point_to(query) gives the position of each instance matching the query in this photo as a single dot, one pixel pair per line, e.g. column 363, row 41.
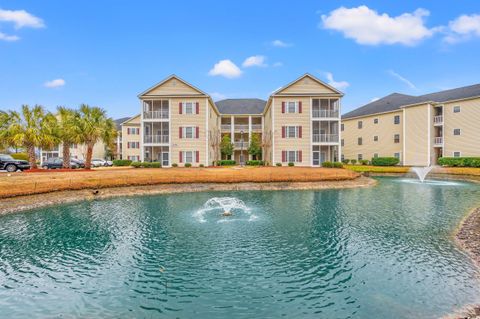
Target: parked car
column 10, row 164
column 79, row 162
column 57, row 162
column 97, row 162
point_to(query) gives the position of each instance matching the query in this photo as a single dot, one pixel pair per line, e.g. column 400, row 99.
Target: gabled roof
column 307, row 75
column 128, row 119
column 173, row 76
column 396, row 101
column 241, row 106
column 118, row 122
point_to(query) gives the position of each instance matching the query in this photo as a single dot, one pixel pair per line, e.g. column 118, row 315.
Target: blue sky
column 106, row 52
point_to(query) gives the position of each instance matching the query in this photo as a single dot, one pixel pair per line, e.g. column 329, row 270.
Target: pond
column 380, row 252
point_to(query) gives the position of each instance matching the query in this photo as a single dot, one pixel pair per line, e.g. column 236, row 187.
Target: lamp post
column 241, row 148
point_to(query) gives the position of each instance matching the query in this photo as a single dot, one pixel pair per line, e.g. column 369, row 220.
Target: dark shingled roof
column 241, row 106
column 395, row 101
column 120, row 121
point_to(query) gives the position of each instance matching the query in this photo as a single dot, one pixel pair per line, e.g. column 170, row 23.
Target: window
column 291, row 131
column 375, row 138
column 343, row 142
column 133, row 144
column 396, row 155
column 291, row 156
column 360, row 141
column 133, row 158
column 396, row 119
column 189, row 107
column 291, row 107
column 396, row 138
column 133, row 131
column 456, row 109
column 360, row 157
column 343, row 157
column 189, row 131
column 456, row 131
column 375, row 155
column 457, row 154
column 342, row 127
column 375, row 121
column 188, row 156
column 360, row 124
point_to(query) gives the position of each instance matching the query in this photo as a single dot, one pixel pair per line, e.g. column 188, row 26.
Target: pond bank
column 27, row 202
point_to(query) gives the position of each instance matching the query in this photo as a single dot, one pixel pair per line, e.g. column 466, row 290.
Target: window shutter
column 197, row 108
column 128, row 130
column 283, row 107
column 284, row 155
column 180, row 109
column 128, row 144
column 197, row 156
column 197, row 131
column 299, row 156
column 180, row 131
column 283, row 131
column 180, row 157
column 299, row 132
column 299, row 106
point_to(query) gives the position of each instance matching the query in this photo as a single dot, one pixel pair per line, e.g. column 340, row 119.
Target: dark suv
column 10, row 164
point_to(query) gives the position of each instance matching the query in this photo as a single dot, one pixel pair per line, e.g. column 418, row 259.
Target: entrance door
column 316, row 158
column 165, row 156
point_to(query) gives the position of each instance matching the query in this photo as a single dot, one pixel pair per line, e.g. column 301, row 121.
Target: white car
column 97, row 162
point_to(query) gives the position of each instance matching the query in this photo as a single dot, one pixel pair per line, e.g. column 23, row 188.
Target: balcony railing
column 238, row 145
column 438, row 141
column 151, row 115
column 325, row 138
column 226, row 127
column 325, row 113
column 256, row 127
column 241, row 127
column 438, row 120
column 156, row 139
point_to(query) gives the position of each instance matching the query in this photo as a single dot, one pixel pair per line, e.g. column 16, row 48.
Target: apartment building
column 131, row 137
column 298, row 123
column 78, row 151
column 415, row 129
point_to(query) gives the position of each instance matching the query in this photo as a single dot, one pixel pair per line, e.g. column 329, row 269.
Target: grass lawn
column 378, row 169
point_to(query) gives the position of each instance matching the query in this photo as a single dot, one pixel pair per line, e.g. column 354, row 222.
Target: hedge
column 255, row 163
column 20, row 156
column 226, row 162
column 460, row 161
column 385, row 161
column 353, row 161
column 338, row 164
column 345, row 161
column 188, row 165
column 146, row 164
column 291, row 164
column 278, row 164
column 363, row 162
column 122, row 162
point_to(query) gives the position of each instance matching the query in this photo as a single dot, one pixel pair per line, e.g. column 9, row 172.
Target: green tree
column 68, row 128
column 226, row 146
column 255, row 147
column 94, row 126
column 31, row 128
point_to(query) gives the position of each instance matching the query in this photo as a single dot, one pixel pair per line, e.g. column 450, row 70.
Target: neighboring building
column 181, row 124
column 130, row 132
column 117, row 152
column 78, row 151
column 416, row 129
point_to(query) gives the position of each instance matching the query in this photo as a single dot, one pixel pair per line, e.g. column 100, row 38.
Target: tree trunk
column 31, row 157
column 66, row 155
column 88, row 161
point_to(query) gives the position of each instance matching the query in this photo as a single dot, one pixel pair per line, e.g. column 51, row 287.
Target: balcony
column 325, row 138
column 226, row 127
column 438, row 120
column 238, row 145
column 256, row 127
column 438, row 141
column 316, row 113
column 241, row 127
column 156, row 139
column 155, row 115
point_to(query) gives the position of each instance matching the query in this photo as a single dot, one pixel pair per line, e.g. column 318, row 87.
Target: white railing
column 256, row 127
column 438, row 141
column 226, row 127
column 438, row 119
column 156, row 139
column 241, row 127
column 155, row 115
column 325, row 138
column 238, row 145
column 325, row 113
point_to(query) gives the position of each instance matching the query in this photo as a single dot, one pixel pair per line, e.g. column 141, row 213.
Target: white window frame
column 457, row 107
column 193, row 128
column 288, row 130
column 287, row 107
column 459, row 132
column 459, row 154
column 394, row 135
column 360, row 157
column 289, row 156
column 185, row 158
column 399, row 155
column 189, row 107
column 375, row 138
column 375, row 155
column 394, row 118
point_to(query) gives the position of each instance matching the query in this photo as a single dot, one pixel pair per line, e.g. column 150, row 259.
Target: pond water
column 381, row 252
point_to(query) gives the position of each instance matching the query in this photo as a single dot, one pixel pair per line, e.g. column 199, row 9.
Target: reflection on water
column 382, row 252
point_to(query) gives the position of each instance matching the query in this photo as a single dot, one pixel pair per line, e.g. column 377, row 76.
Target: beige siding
column 416, row 135
column 306, row 85
column 214, row 135
column 80, row 151
column 385, row 130
column 173, row 87
column 132, row 123
column 267, row 136
column 468, row 121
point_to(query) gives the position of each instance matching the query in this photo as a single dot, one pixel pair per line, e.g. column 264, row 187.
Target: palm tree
column 94, row 126
column 31, row 128
column 67, row 132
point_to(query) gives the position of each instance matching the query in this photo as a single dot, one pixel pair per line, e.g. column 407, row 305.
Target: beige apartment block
column 131, row 137
column 78, row 151
column 416, row 129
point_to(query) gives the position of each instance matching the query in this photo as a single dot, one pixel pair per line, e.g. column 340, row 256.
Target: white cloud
column 21, row 19
column 218, row 96
column 256, row 60
column 401, row 78
column 463, row 28
column 54, row 83
column 281, row 44
column 368, row 27
column 6, row 37
column 341, row 85
column 278, row 64
column 225, row 68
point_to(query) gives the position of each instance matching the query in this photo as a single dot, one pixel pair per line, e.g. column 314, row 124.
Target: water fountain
column 422, row 172
column 225, row 207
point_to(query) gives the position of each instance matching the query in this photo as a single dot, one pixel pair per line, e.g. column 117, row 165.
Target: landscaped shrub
column 226, row 162
column 345, row 161
column 353, row 161
column 146, row 164
column 338, row 164
column 278, row 164
column 174, row 165
column 385, row 161
column 136, row 164
column 363, row 162
column 327, row 164
column 188, row 165
column 20, row 156
column 459, row 161
column 155, row 165
column 201, row 165
column 255, row 163
column 291, row 164
column 122, row 162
